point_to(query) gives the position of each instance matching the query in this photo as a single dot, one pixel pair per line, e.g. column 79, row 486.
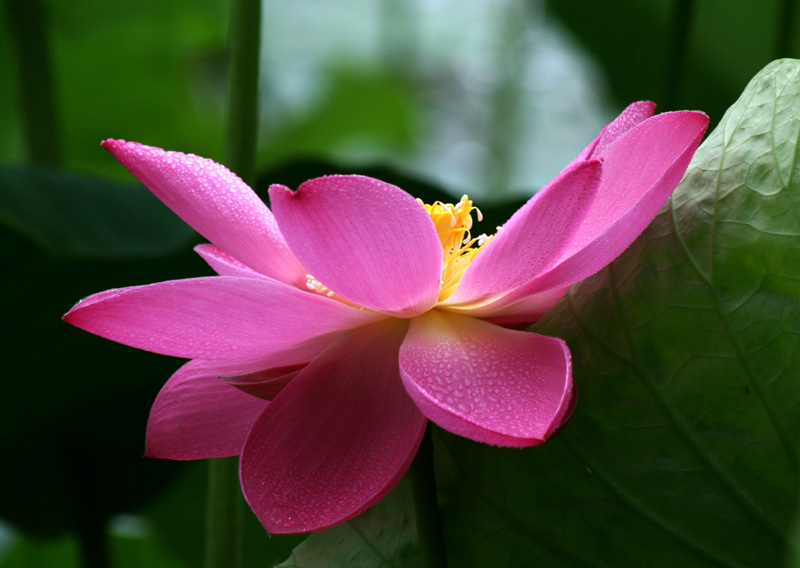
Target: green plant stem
column 242, row 112
column 680, row 33
column 426, row 506
column 785, row 27
column 27, row 26
column 223, row 514
column 398, row 36
column 80, row 469
column 224, row 504
column 504, row 128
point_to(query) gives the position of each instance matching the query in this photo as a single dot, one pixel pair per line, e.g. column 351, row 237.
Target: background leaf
column 79, row 405
column 50, row 208
column 683, row 447
column 685, row 53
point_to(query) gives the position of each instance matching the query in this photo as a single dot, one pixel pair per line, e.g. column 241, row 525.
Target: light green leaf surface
column 382, row 537
column 686, row 353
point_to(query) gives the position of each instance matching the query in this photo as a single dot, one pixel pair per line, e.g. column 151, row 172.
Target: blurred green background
column 487, row 97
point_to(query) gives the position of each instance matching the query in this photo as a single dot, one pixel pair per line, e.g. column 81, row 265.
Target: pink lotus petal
column 641, row 168
column 224, row 264
column 484, row 382
column 527, row 310
column 366, row 240
column 634, row 114
column 265, row 383
column 533, row 238
column 337, row 439
column 219, row 317
column 198, row 416
column 214, row 201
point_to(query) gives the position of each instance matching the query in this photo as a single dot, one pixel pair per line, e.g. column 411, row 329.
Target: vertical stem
column 426, row 506
column 224, row 506
column 223, row 514
column 93, row 541
column 91, row 515
column 681, row 26
column 504, row 122
column 242, row 115
column 399, row 36
column 27, row 26
column 786, row 16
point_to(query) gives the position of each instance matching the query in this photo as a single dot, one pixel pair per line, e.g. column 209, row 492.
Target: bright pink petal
column 485, row 382
column 337, row 439
column 265, row 383
column 533, row 238
column 526, row 311
column 214, row 201
column 640, row 171
column 217, row 318
column 224, row 264
column 366, row 240
column 634, row 114
column 198, row 416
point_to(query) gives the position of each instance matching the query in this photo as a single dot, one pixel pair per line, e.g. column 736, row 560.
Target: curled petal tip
column 111, row 142
column 116, row 145
column 216, row 203
column 277, row 188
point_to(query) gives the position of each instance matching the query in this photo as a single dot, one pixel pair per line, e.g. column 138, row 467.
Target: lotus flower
column 349, row 315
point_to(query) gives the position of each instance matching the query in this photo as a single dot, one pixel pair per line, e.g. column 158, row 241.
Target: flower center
column 453, row 224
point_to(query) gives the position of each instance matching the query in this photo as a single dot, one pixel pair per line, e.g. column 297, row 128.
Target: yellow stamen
column 453, row 224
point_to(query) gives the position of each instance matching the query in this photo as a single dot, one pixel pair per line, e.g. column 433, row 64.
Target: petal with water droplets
column 215, row 318
column 336, row 439
column 198, row 416
column 534, row 237
column 485, row 382
column 641, row 168
column 366, row 240
column 216, row 203
column 634, row 114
